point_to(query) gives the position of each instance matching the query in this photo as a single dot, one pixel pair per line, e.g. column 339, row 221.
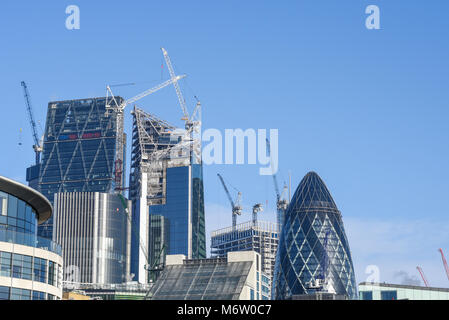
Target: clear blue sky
column 366, row 109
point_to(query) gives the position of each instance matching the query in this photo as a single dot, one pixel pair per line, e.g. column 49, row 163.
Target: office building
column 83, row 151
column 94, row 230
column 30, row 266
column 122, row 291
column 238, row 276
column 385, row 291
column 165, row 181
column 261, row 237
column 313, row 254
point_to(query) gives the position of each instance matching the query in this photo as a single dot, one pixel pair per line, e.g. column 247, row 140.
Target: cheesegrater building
column 313, row 256
column 80, row 152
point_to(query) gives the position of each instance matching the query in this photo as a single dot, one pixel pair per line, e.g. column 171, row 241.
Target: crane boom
column 37, row 146
column 424, row 279
column 182, row 102
column 226, row 190
column 236, row 207
column 446, row 268
column 118, row 108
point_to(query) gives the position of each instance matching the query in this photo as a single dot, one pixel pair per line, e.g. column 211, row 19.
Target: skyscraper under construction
column 80, row 151
column 166, row 188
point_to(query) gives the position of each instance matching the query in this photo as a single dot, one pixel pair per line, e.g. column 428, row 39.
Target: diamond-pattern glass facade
column 313, row 245
column 79, row 150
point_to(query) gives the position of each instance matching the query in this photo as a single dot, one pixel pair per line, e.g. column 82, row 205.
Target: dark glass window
column 366, row 295
column 389, row 295
column 52, row 273
column 37, row 295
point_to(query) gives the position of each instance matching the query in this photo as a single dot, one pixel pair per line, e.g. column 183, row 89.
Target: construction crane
column 113, row 105
column 37, row 147
column 424, row 279
column 189, row 120
column 281, row 201
column 256, row 209
column 236, row 206
column 446, row 268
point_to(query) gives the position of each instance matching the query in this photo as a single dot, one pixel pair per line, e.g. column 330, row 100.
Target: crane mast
column 37, row 145
column 281, row 202
column 236, row 207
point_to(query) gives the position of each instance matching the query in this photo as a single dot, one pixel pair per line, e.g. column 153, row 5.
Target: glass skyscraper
column 79, row 152
column 313, row 254
column 164, row 182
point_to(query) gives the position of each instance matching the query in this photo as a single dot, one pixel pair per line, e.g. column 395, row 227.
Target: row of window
column 16, row 213
column 29, row 268
column 384, row 295
column 7, row 293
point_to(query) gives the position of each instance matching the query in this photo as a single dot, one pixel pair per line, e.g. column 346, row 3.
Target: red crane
column 426, row 283
column 444, row 262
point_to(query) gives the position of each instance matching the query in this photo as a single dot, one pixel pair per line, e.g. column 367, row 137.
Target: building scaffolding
column 261, row 237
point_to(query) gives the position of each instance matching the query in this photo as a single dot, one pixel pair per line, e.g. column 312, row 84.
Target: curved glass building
column 313, row 254
column 30, row 266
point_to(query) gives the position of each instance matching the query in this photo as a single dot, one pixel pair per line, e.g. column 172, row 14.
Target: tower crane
column 281, row 201
column 37, row 144
column 424, row 279
column 446, row 268
column 113, row 105
column 256, row 209
column 236, row 206
column 192, row 122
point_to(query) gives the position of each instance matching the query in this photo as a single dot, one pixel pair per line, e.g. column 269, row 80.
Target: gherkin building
column 313, row 253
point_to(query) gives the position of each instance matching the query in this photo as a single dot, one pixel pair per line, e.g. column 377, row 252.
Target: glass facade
column 16, row 215
column 208, row 279
column 8, row 293
column 25, row 267
column 79, row 150
column 313, row 253
column 176, row 210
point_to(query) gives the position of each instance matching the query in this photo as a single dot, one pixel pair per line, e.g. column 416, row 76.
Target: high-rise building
column 313, row 254
column 30, row 266
column 80, row 151
column 94, row 230
column 261, row 237
column 237, row 276
column 165, row 180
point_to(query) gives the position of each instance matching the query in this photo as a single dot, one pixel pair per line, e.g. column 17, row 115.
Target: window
column 40, row 270
column 389, row 295
column 251, row 293
column 51, row 273
column 20, row 294
column 4, row 293
column 366, row 295
column 22, row 266
column 5, row 264
column 37, row 295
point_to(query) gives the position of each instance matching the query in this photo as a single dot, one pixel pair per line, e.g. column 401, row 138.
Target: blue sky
column 366, row 109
